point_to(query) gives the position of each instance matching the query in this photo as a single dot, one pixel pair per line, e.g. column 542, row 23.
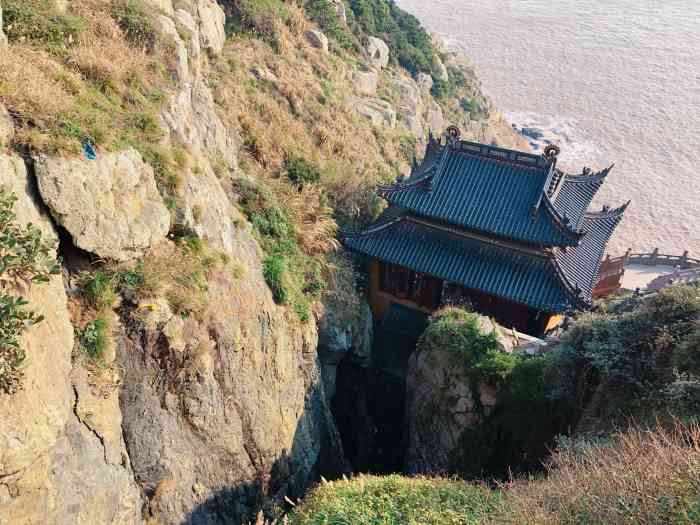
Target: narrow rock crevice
column 86, row 425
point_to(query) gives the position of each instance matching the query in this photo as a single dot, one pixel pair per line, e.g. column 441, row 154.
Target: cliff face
column 442, row 402
column 63, row 456
column 218, row 413
column 207, row 401
column 199, row 421
column 476, row 404
column 203, row 419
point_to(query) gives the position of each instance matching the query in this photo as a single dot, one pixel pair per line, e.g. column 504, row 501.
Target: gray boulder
column 440, row 70
column 438, row 43
column 211, row 26
column 206, row 210
column 7, row 127
column 379, row 112
column 409, row 96
column 378, row 52
column 110, row 206
column 424, row 81
column 166, row 6
column 341, row 11
column 194, row 45
column 317, row 39
column 63, row 455
column 3, row 36
column 343, row 333
column 366, row 81
column 192, row 119
column 435, row 118
column 262, row 73
column 440, row 406
column 167, row 27
column 241, row 414
column 414, row 124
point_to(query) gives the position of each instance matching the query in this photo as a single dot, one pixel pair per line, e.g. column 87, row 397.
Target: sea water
column 611, row 81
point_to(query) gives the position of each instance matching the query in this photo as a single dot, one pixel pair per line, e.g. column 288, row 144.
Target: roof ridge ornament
column 453, row 134
column 551, row 152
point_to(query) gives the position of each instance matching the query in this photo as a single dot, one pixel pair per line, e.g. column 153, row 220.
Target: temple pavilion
column 505, row 232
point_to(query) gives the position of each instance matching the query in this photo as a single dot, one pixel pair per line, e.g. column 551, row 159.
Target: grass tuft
column 94, row 339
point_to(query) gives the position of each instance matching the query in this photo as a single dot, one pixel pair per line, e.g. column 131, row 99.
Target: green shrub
column 189, row 240
column 38, row 21
column 103, row 287
column 410, row 45
column 257, row 18
column 466, row 105
column 136, row 20
column 324, row 14
column 687, row 356
column 14, row 319
column 293, row 277
column 94, row 338
column 396, row 500
column 443, row 90
column 458, row 332
column 631, row 347
column 274, row 270
column 25, row 258
column 300, row 171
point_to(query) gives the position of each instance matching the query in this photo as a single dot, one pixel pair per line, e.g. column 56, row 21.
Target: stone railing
column 655, row 258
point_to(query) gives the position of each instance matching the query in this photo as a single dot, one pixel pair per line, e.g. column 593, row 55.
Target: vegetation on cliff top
column 635, row 360
column 409, row 43
column 97, row 72
column 638, row 476
column 513, row 435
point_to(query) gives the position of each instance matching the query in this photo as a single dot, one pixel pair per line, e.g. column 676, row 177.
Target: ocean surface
column 611, row 81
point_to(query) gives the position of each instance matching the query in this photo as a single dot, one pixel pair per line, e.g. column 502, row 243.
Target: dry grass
column 178, row 273
column 288, row 101
column 316, row 229
column 302, row 113
column 95, row 86
column 643, row 477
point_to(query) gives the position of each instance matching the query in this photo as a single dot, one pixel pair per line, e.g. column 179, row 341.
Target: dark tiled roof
column 520, row 276
column 488, row 189
column 574, row 193
column 581, row 265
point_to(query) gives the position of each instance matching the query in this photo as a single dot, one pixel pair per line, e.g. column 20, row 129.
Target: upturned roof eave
column 573, row 289
column 589, row 178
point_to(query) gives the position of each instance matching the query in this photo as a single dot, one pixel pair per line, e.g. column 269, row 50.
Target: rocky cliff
column 198, row 421
column 472, row 400
column 171, row 379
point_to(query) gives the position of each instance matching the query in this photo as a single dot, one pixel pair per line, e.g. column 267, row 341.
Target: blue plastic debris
column 89, row 150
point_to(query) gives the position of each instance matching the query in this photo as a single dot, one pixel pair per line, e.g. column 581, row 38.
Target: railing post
column 654, row 256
